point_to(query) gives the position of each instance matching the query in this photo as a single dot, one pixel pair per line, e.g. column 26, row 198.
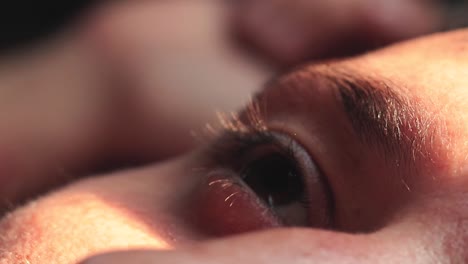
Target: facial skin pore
column 387, row 129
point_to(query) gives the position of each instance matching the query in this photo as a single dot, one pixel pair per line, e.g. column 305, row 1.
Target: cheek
column 63, row 228
column 98, row 215
column 144, row 209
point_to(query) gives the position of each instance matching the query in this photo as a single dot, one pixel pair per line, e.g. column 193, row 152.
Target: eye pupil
column 274, row 179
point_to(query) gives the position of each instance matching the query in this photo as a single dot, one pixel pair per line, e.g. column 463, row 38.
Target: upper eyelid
column 380, row 117
column 239, row 142
column 225, row 154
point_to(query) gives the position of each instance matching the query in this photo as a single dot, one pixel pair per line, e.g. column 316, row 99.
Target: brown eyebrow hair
column 383, row 118
column 400, row 128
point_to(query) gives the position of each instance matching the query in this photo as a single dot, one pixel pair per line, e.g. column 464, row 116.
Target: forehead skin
column 430, row 70
column 435, row 71
column 432, row 73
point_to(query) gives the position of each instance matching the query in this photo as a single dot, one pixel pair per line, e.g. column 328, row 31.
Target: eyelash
column 258, row 139
column 237, row 148
column 237, row 136
column 233, row 144
column 237, row 151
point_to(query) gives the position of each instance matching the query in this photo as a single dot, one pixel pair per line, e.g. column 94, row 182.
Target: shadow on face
column 363, row 153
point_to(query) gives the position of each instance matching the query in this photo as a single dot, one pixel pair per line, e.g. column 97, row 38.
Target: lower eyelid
column 318, row 184
column 309, row 150
column 315, row 182
column 225, row 207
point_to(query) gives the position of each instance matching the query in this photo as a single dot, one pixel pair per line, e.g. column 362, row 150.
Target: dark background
column 24, row 22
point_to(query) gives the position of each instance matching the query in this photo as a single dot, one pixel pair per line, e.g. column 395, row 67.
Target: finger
column 292, row 31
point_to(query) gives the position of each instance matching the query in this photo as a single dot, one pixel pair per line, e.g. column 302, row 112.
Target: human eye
column 260, row 178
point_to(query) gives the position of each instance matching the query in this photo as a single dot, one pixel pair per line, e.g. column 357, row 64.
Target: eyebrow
column 380, row 117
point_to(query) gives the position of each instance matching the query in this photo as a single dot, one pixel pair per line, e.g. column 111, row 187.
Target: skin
column 293, row 31
column 102, row 75
column 386, row 213
column 424, row 222
column 88, row 100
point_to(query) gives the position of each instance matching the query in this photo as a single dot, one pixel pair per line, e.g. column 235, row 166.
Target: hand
column 114, row 91
column 292, row 31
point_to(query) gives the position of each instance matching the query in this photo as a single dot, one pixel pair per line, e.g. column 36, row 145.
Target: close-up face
column 365, row 157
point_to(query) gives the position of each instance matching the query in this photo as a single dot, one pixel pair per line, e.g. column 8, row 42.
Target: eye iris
column 275, row 180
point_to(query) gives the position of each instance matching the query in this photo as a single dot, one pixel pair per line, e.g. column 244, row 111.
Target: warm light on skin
column 90, row 213
column 148, row 207
column 441, row 92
